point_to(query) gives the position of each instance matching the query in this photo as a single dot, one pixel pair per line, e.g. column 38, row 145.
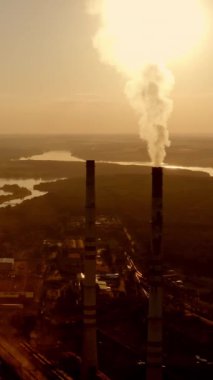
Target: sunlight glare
column 137, row 32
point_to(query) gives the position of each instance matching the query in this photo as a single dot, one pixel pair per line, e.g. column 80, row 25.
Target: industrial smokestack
column 90, row 363
column 154, row 343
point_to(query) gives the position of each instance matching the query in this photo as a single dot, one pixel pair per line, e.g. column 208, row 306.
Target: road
column 27, row 362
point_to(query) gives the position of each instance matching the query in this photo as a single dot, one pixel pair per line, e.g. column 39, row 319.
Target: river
column 63, row 155
column 28, row 184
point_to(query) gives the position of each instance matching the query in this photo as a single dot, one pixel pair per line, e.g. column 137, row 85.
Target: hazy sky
column 51, row 79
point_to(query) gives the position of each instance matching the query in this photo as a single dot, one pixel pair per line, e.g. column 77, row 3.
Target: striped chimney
column 90, row 362
column 154, row 343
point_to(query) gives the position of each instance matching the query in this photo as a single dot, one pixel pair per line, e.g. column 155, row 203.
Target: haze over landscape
column 52, row 81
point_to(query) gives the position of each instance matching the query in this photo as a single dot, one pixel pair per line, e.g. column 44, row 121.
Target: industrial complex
column 85, row 308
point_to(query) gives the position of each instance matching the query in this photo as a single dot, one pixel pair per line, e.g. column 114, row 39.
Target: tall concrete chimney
column 90, row 362
column 154, row 340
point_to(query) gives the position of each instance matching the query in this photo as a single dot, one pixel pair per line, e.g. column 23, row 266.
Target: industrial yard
column 42, row 304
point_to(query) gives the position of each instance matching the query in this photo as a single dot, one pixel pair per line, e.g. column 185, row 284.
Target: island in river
column 14, row 191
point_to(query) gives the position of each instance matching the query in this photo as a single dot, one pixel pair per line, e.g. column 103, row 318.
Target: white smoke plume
column 138, row 37
column 149, row 96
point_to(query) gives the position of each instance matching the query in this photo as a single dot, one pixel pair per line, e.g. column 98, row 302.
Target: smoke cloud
column 138, row 37
column 149, row 96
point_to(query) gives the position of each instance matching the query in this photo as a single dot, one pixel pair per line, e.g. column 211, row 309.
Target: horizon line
column 98, row 134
